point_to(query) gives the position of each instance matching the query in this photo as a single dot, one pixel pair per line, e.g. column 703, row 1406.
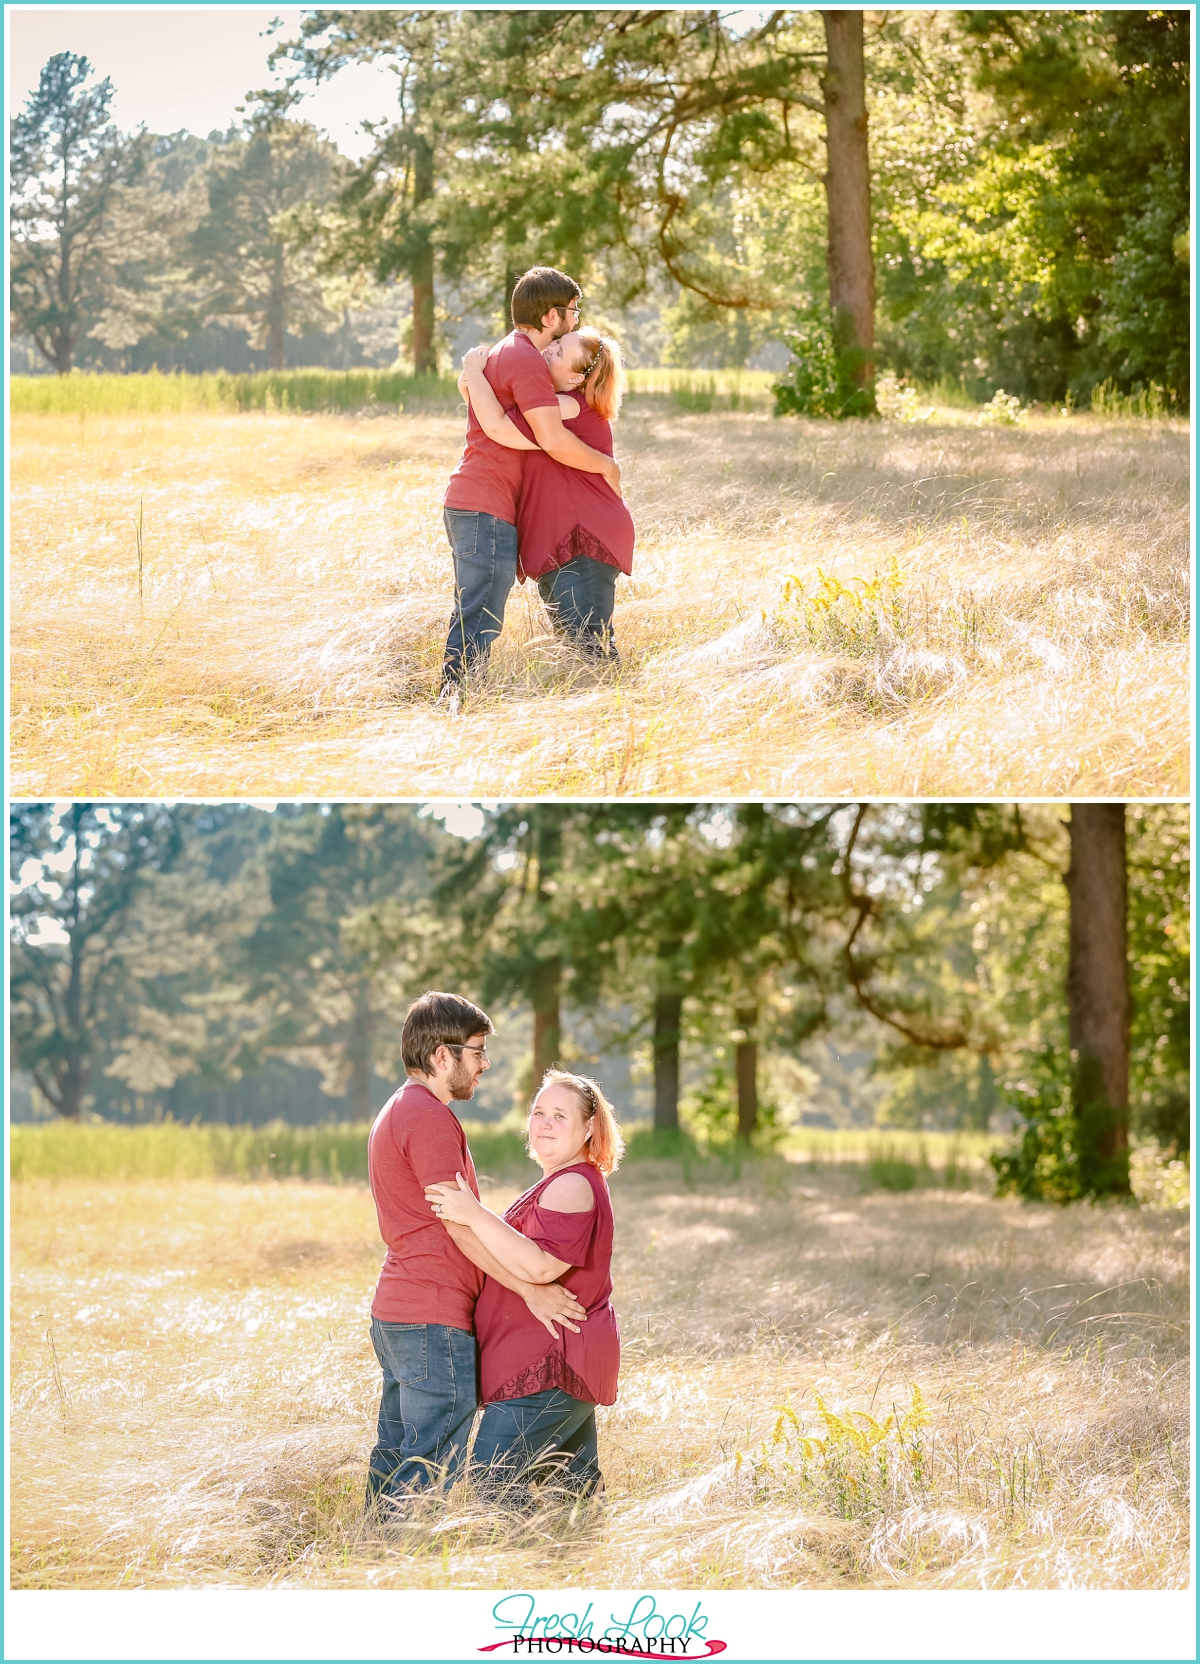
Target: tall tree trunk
column 848, row 193
column 547, row 980
column 359, row 1053
column 72, row 1073
column 64, row 1089
column 668, row 1014
column 424, row 352
column 276, row 352
column 987, row 1098
column 747, row 1071
column 547, row 1029
column 73, row 1079
column 1098, row 1000
column 62, row 337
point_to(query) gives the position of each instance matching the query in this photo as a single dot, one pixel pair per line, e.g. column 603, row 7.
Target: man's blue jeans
column 579, row 597
column 427, row 1407
column 485, row 569
column 542, row 1435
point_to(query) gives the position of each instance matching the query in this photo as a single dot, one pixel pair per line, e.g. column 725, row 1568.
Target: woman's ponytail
column 604, row 383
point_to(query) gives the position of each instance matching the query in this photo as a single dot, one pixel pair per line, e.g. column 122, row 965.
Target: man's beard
column 462, row 1084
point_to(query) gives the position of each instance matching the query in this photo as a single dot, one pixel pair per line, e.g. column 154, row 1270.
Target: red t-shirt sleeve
column 568, row 1236
column 529, row 384
column 435, row 1152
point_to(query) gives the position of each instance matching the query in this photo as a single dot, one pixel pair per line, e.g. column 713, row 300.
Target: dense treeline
column 1027, row 226
column 208, row 946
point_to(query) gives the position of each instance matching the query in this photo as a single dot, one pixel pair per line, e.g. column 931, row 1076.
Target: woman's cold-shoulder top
column 516, row 1353
column 563, row 512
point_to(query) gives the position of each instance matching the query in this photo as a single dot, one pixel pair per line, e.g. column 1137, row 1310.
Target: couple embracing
column 536, row 492
column 467, row 1303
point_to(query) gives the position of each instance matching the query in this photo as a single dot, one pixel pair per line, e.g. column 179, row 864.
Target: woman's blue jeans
column 579, row 597
column 427, row 1407
column 545, row 1435
column 485, row 569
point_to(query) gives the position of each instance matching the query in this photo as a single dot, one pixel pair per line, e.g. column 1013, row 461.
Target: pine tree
column 69, row 165
column 77, row 981
column 249, row 253
column 315, row 988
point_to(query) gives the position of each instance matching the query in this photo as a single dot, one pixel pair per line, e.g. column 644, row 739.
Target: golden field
column 194, row 1392
column 283, row 634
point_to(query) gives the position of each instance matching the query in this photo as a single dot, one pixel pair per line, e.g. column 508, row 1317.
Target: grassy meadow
column 898, row 1158
column 826, row 1383
column 248, row 597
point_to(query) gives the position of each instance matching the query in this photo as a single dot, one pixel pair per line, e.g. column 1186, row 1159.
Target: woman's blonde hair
column 606, row 1146
column 604, row 382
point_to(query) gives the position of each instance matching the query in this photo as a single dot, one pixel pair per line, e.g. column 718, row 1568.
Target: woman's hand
column 476, row 358
column 454, row 1204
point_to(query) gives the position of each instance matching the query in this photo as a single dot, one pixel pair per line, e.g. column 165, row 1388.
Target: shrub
column 820, row 380
column 1068, row 1121
column 1044, row 1165
column 898, row 402
column 861, row 1466
column 1168, row 1120
column 711, row 1116
column 1003, row 410
column 1151, row 401
column 842, row 617
column 894, row 1175
column 659, row 1144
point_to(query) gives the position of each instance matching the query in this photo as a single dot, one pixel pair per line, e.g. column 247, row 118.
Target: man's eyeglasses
column 451, row 1046
column 576, row 307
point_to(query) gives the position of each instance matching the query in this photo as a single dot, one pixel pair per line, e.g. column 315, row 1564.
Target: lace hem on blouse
column 580, row 541
column 552, row 1370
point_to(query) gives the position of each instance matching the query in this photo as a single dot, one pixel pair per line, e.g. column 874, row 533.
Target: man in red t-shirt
column 481, row 499
column 423, row 1314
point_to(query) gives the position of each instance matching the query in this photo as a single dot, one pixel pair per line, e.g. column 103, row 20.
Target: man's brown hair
column 539, row 291
column 439, row 1020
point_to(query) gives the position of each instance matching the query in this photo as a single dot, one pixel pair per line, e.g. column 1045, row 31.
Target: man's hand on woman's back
column 551, row 1303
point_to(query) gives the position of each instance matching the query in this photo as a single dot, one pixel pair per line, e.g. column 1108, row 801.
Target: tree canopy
column 193, row 950
column 1022, row 219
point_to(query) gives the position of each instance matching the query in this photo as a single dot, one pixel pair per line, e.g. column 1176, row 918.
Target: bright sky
column 188, row 66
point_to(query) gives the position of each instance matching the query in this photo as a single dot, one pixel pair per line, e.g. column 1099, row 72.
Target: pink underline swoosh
column 612, row 1650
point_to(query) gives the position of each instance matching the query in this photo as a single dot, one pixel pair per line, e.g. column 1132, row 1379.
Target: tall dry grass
column 193, row 1394
column 1030, row 637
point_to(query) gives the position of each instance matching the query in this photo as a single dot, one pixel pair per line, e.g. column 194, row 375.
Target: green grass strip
column 156, row 394
column 390, row 391
column 91, row 1150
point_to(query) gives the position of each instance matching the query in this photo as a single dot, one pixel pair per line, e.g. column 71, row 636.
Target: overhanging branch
column 857, row 974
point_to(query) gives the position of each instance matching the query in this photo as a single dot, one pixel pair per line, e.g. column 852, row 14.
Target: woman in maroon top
column 574, row 533
column 540, row 1388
